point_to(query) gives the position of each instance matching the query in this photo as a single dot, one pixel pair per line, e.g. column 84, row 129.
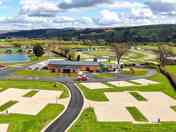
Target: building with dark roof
column 65, row 66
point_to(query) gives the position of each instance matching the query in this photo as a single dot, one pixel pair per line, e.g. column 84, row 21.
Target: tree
column 72, row 55
column 162, row 56
column 38, row 50
column 19, row 51
column 78, row 58
column 8, row 51
column 164, row 52
column 120, row 50
column 66, row 52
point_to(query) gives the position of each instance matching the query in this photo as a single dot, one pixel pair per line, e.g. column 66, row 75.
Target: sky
column 40, row 14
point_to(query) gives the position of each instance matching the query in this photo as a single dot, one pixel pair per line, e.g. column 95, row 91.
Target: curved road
column 151, row 72
column 76, row 102
column 72, row 111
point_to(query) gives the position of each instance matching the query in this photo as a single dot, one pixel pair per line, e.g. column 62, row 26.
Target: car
column 82, row 78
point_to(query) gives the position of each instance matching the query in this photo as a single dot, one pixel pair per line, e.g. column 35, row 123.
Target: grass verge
column 137, row 96
column 104, row 75
column 31, row 84
column 27, row 123
column 7, row 105
column 163, row 86
column 95, row 95
column 88, row 123
column 136, row 114
column 31, row 93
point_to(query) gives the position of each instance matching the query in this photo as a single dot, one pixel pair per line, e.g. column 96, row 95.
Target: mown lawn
column 104, row 75
column 31, row 84
column 137, row 115
column 88, row 123
column 171, row 68
column 31, row 93
column 137, row 96
column 28, row 123
column 126, row 71
column 7, row 105
column 163, row 86
column 135, row 71
column 43, row 73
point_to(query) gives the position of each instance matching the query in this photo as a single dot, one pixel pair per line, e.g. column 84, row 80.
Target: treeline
column 153, row 33
column 70, row 54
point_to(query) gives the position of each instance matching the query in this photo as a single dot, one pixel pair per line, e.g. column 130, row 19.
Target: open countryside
column 87, row 66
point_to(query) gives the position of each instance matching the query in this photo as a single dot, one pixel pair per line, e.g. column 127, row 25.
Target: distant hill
column 151, row 33
column 6, row 31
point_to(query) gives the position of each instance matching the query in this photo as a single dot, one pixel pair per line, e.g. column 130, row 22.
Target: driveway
column 72, row 111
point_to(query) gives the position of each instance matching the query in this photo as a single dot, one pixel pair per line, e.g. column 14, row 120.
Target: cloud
column 45, row 8
column 164, row 7
column 142, row 13
column 35, row 14
column 27, row 22
column 69, row 4
column 2, row 2
column 63, row 19
column 125, row 5
column 107, row 18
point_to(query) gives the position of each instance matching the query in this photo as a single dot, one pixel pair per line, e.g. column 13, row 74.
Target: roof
column 73, row 63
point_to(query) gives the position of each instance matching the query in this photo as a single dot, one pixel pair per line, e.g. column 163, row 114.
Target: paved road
column 5, row 73
column 72, row 111
column 121, row 77
column 76, row 102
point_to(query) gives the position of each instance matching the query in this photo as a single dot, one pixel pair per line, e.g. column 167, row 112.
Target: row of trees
column 120, row 49
column 70, row 54
column 163, row 52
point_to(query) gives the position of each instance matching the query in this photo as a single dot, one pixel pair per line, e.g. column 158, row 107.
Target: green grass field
column 136, row 114
column 163, row 86
column 7, row 105
column 43, row 73
column 30, row 84
column 31, row 93
column 104, row 75
column 171, row 68
column 135, row 71
column 88, row 123
column 137, row 96
column 27, row 123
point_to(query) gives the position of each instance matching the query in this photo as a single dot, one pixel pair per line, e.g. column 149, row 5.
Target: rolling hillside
column 153, row 33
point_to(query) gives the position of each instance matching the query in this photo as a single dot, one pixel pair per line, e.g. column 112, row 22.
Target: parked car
column 82, row 78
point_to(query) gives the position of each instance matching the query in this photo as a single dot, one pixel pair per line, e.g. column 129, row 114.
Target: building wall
column 55, row 68
column 51, row 67
column 89, row 68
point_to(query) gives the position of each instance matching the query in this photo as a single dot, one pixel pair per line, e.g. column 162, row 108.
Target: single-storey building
column 65, row 66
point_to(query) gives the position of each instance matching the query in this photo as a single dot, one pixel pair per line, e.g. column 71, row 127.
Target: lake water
column 13, row 58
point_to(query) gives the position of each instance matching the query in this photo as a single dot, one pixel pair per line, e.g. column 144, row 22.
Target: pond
column 13, row 58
